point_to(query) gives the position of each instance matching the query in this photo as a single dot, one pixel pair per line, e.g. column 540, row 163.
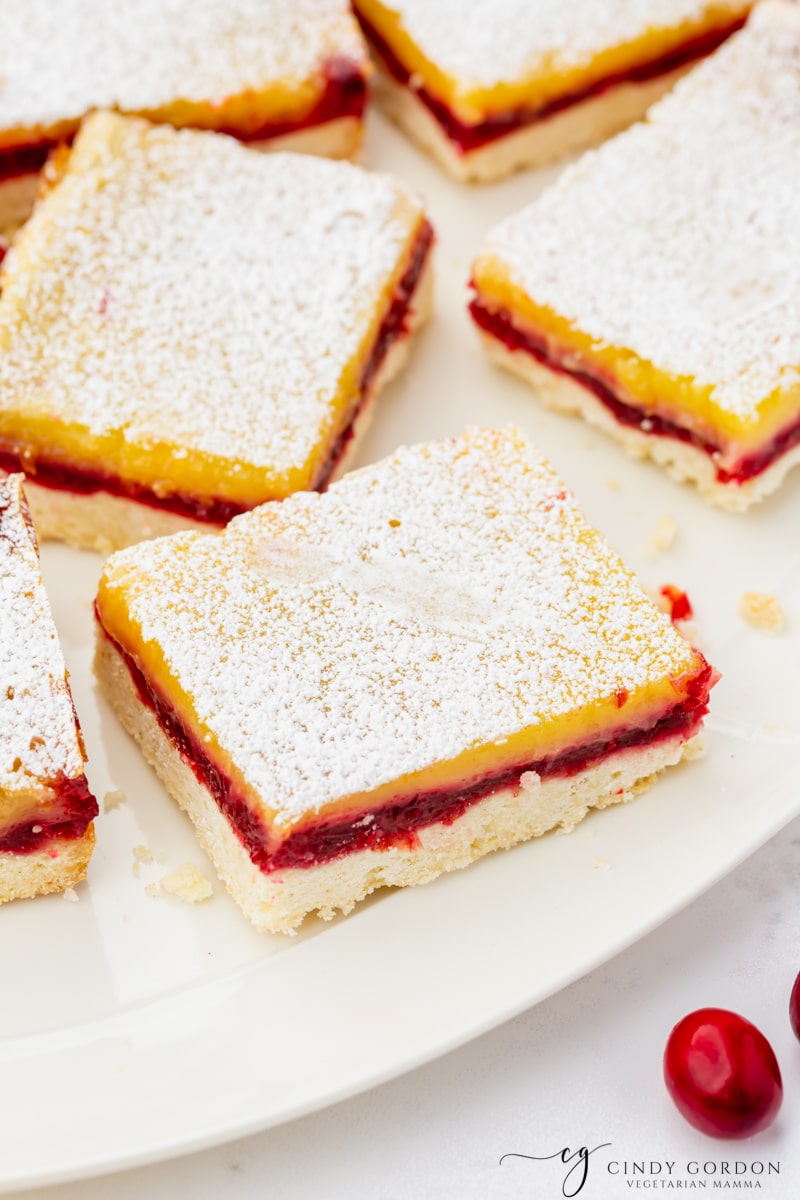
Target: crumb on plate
column 663, row 536
column 141, row 854
column 762, row 610
column 113, row 799
column 187, row 883
column 694, row 749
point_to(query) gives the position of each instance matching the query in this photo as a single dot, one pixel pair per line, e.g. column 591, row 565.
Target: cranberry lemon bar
column 655, row 288
column 490, row 86
column 437, row 658
column 188, row 328
column 290, row 72
column 46, row 808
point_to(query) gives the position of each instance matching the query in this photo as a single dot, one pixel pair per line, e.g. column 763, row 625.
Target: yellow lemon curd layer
column 554, row 74
column 41, row 748
column 635, row 380
column 281, row 102
column 436, row 620
column 240, row 65
column 191, row 317
column 37, row 803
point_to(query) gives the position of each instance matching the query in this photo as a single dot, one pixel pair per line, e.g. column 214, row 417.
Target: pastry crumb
column 529, row 781
column 141, row 854
column 613, row 485
column 153, row 890
column 694, row 750
column 187, row 883
column 113, row 799
column 663, row 536
column 601, row 864
column 70, row 895
column 762, row 610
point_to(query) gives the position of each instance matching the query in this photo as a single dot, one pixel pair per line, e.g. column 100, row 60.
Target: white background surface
column 583, row 1067
column 579, row 1069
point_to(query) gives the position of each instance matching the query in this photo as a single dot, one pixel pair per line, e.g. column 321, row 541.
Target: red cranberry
column 680, row 606
column 794, row 1007
column 722, row 1074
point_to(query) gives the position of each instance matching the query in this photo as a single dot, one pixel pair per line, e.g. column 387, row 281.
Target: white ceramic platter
column 134, row 1028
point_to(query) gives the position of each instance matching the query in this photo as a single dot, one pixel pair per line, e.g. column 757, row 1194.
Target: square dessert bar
column 291, row 73
column 46, row 808
column 654, row 289
column 188, row 328
column 437, row 658
column 491, row 86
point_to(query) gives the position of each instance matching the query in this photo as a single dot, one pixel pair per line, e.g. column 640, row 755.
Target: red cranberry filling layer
column 393, row 327
column 397, row 823
column 471, row 137
column 73, row 807
column 680, row 606
column 499, row 324
column 87, row 481
column 344, row 95
column 68, row 817
column 24, row 160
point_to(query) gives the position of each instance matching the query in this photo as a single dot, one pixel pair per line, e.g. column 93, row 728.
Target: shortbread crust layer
column 666, row 313
column 507, row 343
column 105, row 522
column 681, row 460
column 46, row 806
column 534, row 145
column 59, row 864
column 343, row 100
column 336, row 677
column 406, row 311
column 256, row 69
column 467, row 138
column 190, row 380
column 400, row 823
column 278, row 901
column 480, row 131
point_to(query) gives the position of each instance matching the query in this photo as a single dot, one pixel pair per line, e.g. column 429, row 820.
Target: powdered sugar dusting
column 38, row 739
column 177, row 293
column 59, row 61
column 482, row 43
column 680, row 239
column 445, row 598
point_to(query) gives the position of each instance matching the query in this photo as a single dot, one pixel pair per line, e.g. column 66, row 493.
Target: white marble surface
column 581, row 1069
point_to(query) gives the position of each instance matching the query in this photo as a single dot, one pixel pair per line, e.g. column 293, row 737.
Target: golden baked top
column 203, row 62
column 39, row 742
column 425, row 620
column 194, row 316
